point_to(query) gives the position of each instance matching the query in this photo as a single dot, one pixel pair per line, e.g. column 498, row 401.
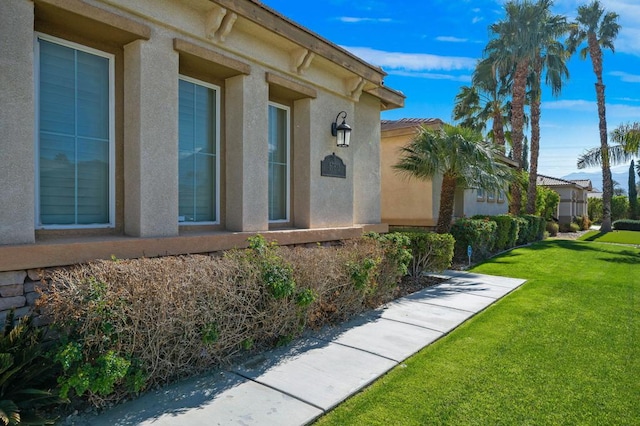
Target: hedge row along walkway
column 294, row 385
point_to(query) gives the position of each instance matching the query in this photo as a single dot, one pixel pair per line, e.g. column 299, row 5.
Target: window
column 74, row 130
column 491, row 196
column 278, row 163
column 501, row 196
column 198, row 152
column 480, row 194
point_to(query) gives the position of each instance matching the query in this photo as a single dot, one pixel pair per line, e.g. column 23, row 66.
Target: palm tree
column 514, row 49
column 627, row 146
column 462, row 158
column 598, row 29
column 552, row 57
column 486, row 99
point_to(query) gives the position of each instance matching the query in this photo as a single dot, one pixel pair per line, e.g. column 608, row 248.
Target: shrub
column 626, row 225
column 534, row 229
column 477, row 233
column 523, row 230
column 504, row 231
column 569, row 227
column 26, row 375
column 552, row 228
column 583, row 222
column 430, row 252
column 619, row 207
column 595, row 210
column 132, row 324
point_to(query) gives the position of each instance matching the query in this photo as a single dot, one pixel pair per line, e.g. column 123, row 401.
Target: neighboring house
column 412, row 202
column 594, row 193
column 573, row 196
column 154, row 127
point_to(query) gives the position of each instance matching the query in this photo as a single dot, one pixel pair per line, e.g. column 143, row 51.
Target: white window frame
column 112, row 180
column 480, row 194
column 217, row 90
column 288, row 168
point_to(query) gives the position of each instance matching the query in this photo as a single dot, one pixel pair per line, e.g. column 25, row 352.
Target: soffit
column 276, row 23
column 79, row 17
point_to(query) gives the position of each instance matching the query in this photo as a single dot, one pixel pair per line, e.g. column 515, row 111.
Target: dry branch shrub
column 176, row 316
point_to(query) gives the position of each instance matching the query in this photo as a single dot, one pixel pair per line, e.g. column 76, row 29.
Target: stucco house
column 156, row 127
column 413, row 202
column 573, row 196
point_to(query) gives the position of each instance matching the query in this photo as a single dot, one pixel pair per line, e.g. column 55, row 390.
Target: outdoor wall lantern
column 341, row 131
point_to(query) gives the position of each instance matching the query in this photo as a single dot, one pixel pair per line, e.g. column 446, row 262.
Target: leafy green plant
column 99, row 376
column 25, row 374
column 430, row 252
column 396, row 245
column 305, row 297
column 210, row 334
column 276, row 273
column 552, row 228
column 363, row 274
column 477, row 233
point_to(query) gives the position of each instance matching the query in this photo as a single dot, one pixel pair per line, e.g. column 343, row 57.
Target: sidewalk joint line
column 278, row 390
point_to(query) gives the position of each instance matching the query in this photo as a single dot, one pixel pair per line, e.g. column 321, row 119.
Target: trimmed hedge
column 431, row 252
column 506, row 231
column 626, row 225
column 477, row 233
column 491, row 234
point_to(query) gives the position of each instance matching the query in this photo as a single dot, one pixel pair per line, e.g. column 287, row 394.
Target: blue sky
column 429, row 49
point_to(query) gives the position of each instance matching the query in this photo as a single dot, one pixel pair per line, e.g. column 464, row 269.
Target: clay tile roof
column 552, row 181
column 408, row 122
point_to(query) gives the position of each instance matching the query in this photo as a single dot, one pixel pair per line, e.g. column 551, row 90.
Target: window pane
column 74, row 139
column 277, row 192
column 197, row 144
column 278, row 167
column 57, row 88
column 57, row 179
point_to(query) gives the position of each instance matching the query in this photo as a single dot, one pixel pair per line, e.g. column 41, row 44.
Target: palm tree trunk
column 498, row 129
column 607, row 191
column 517, row 130
column 447, row 196
column 535, row 142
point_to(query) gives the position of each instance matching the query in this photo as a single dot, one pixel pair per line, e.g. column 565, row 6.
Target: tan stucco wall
column 17, row 171
column 153, row 41
column 366, row 169
column 151, row 137
column 404, row 200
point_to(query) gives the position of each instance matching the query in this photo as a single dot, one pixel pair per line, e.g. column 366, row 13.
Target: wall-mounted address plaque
column 333, row 166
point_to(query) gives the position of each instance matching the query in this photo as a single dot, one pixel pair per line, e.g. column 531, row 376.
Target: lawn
column 620, row 237
column 562, row 349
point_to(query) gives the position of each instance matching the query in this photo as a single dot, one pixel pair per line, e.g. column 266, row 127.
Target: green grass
column 562, row 349
column 620, row 237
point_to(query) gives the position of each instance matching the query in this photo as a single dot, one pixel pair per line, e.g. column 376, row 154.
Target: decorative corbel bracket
column 219, row 23
column 301, row 60
column 354, row 87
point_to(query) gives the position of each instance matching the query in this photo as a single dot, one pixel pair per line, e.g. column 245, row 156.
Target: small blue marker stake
column 469, row 252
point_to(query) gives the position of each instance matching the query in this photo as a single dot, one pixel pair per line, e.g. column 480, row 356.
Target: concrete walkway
column 296, row 384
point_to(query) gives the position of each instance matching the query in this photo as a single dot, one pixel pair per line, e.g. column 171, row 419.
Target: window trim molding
column 217, row 91
column 287, row 109
column 112, row 156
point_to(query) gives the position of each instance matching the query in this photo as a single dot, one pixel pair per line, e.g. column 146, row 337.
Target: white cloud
column 573, row 105
column 412, row 61
column 433, row 76
column 355, row 20
column 451, row 39
column 615, row 112
column 626, row 77
column 477, row 19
